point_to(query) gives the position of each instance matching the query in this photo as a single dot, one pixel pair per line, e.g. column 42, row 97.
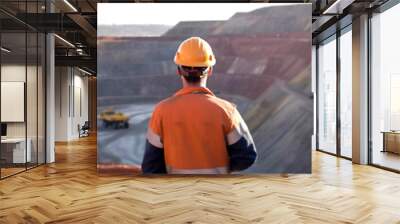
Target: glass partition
column 346, row 93
column 385, row 89
column 34, row 60
column 22, row 88
column 15, row 150
column 327, row 95
column 31, row 99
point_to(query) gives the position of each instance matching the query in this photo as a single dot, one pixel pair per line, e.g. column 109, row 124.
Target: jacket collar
column 192, row 89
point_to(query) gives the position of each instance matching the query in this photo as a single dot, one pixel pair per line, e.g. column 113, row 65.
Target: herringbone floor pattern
column 70, row 191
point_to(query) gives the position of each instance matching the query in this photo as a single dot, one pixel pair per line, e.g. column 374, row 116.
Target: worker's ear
column 210, row 70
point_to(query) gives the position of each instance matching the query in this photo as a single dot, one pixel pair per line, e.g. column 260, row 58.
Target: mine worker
column 193, row 131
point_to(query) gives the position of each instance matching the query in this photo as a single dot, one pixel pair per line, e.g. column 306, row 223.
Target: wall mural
column 263, row 66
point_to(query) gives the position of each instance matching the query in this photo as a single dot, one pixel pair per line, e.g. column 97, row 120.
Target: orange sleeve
column 155, row 123
column 233, row 119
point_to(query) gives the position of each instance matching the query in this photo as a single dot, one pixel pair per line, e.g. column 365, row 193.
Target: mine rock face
column 263, row 66
column 187, row 29
column 275, row 19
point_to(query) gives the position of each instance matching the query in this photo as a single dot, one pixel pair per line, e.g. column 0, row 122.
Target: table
column 16, row 147
column 391, row 141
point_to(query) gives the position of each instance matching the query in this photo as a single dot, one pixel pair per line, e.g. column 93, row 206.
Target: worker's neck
column 202, row 83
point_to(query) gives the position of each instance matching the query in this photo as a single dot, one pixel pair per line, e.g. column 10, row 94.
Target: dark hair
column 192, row 74
column 192, row 79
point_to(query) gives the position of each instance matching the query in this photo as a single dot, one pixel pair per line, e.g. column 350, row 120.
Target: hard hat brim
column 194, row 64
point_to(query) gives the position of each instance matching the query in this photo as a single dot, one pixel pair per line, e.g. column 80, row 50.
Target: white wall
column 13, row 73
column 33, row 126
column 71, row 94
column 62, row 82
column 80, row 110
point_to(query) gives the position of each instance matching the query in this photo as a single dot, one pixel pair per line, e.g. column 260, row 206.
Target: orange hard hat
column 194, row 52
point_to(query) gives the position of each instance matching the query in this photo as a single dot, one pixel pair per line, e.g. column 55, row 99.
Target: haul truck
column 113, row 119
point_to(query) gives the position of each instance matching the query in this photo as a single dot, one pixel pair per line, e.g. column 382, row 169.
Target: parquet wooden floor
column 70, row 191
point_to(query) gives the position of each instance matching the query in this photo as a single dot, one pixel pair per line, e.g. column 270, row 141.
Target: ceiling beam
column 337, row 7
column 81, row 61
column 86, row 26
column 49, row 22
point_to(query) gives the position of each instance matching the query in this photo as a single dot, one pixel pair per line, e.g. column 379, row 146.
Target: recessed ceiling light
column 64, row 40
column 70, row 5
column 5, row 50
column 338, row 6
column 84, row 71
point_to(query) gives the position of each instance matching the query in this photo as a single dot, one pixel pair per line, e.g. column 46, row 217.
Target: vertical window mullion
column 369, row 95
column 26, row 86
column 338, row 91
column 37, row 90
column 317, row 96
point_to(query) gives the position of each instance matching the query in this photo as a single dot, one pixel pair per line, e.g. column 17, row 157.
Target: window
column 346, row 92
column 385, row 89
column 327, row 95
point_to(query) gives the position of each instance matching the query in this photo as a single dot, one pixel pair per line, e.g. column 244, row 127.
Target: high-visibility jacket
column 195, row 132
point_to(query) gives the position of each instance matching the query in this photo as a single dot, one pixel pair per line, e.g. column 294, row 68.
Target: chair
column 84, row 130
